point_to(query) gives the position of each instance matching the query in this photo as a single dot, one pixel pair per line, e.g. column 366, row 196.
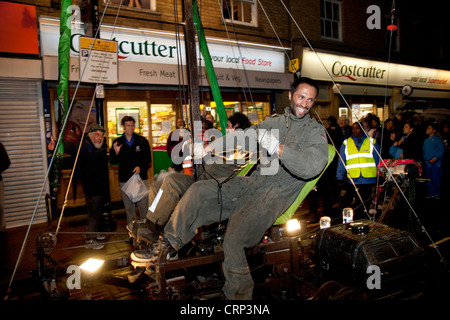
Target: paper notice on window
column 166, row 127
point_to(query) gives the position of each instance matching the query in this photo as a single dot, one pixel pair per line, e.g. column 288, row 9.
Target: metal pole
column 192, row 70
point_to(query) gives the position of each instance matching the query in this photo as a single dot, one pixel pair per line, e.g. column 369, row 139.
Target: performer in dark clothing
column 299, row 150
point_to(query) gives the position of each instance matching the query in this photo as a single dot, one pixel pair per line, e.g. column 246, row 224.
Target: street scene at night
column 232, row 157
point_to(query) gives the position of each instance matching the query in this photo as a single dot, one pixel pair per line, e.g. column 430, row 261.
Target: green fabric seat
column 303, row 193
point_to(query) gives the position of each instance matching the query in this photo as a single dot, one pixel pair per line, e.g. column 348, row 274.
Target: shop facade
column 152, row 80
column 370, row 86
column 22, row 117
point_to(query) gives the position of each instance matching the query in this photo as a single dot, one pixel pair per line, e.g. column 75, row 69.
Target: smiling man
column 297, row 143
column 302, row 99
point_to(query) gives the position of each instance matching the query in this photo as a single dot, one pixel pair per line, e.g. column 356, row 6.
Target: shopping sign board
column 345, row 69
column 152, row 46
column 98, row 61
column 153, row 57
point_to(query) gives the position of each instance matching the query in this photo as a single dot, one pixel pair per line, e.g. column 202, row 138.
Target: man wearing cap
column 94, row 176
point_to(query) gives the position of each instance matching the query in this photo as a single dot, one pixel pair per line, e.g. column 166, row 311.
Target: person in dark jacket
column 94, row 176
column 409, row 146
column 388, row 137
column 433, row 154
column 346, row 130
column 132, row 152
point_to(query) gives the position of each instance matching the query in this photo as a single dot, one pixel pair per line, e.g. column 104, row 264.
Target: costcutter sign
column 135, row 45
column 361, row 71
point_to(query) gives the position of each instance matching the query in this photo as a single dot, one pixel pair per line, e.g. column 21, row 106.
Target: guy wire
column 381, row 159
column 20, row 256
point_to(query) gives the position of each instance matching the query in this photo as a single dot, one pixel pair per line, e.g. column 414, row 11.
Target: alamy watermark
column 374, row 20
column 74, row 280
column 374, row 280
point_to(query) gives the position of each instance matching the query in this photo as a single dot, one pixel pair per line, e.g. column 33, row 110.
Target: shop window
column 239, row 11
column 330, row 18
column 382, row 112
column 255, row 113
column 360, row 111
column 116, row 110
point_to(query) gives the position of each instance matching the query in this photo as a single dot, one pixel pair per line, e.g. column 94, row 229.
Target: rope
column 182, row 93
column 19, row 258
column 386, row 87
column 219, row 2
column 219, row 190
column 87, row 116
column 343, row 162
column 346, row 103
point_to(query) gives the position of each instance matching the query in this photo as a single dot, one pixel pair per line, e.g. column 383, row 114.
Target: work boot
column 144, row 231
column 147, row 236
column 147, row 256
column 151, row 254
column 92, row 244
column 100, row 237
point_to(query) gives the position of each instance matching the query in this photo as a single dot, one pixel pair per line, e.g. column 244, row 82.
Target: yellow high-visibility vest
column 360, row 162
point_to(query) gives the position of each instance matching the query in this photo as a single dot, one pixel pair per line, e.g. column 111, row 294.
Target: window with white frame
column 330, row 18
column 240, row 11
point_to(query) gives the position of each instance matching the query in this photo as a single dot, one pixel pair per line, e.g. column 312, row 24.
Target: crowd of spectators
column 404, row 136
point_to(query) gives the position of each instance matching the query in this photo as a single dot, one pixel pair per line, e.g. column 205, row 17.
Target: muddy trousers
column 200, row 206
column 130, row 207
column 164, row 195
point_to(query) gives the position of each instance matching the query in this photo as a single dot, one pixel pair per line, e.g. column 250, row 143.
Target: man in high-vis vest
column 361, row 160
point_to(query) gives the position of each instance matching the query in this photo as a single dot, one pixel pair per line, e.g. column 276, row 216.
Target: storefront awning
column 165, row 74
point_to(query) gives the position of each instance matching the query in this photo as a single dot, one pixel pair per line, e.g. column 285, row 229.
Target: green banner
column 210, row 70
column 64, row 56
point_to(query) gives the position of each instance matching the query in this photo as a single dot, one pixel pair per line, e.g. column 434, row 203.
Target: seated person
column 298, row 151
column 165, row 193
